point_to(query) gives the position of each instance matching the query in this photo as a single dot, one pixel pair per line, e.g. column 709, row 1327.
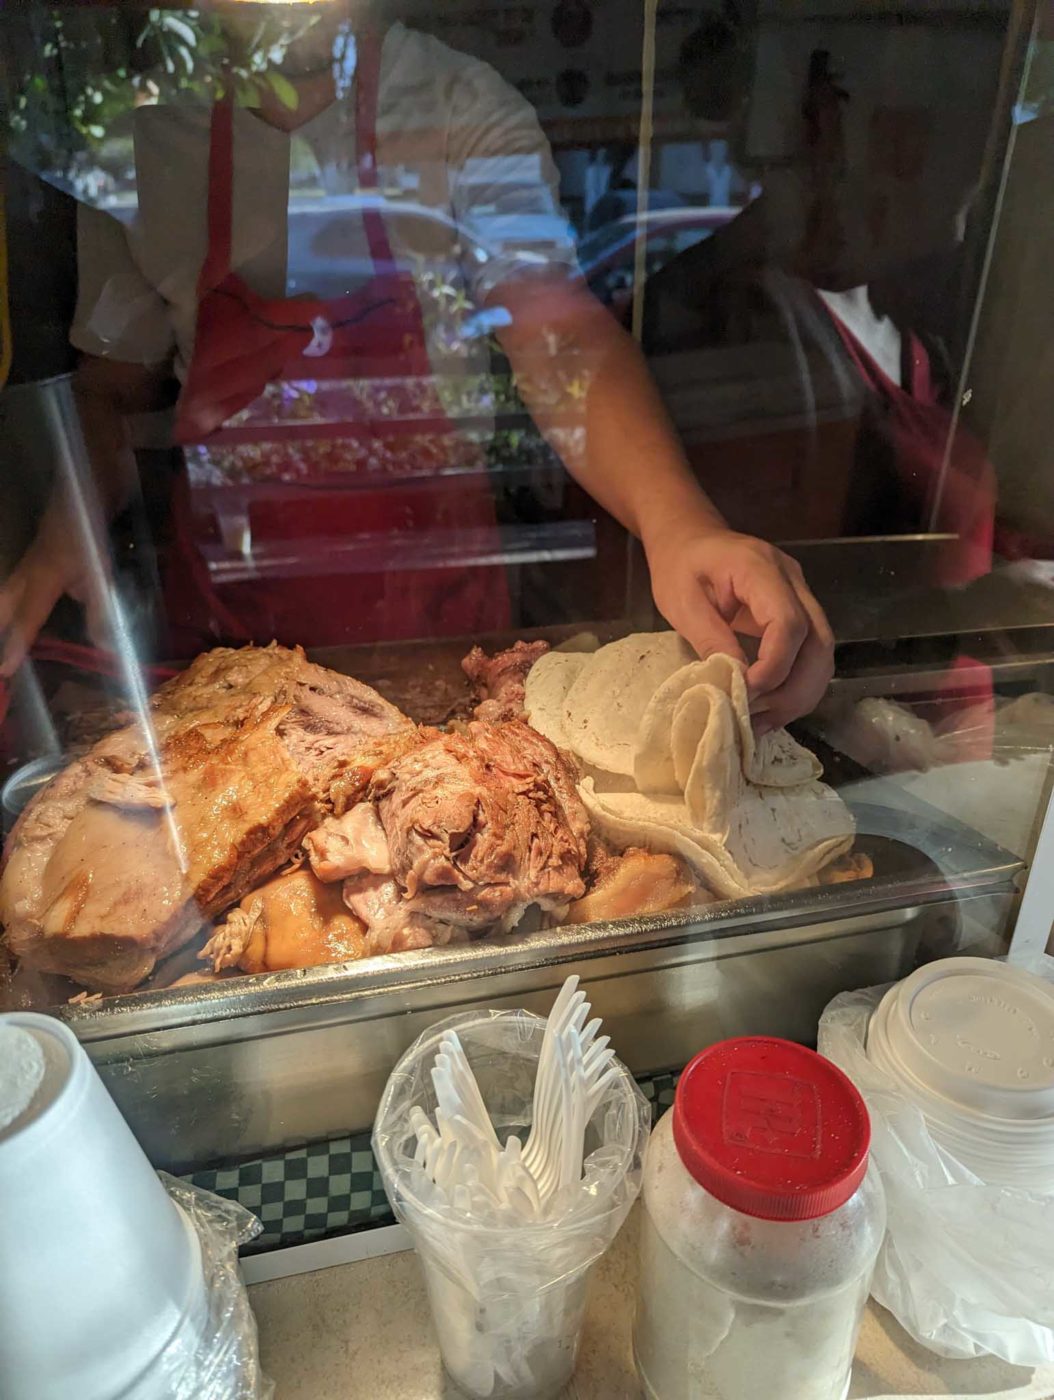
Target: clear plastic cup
column 508, row 1301
column 100, row 1272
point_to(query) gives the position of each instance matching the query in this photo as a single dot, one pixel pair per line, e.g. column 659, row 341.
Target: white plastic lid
column 978, row 1033
column 22, row 1067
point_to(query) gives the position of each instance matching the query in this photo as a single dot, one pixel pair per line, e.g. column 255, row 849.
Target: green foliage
column 77, row 75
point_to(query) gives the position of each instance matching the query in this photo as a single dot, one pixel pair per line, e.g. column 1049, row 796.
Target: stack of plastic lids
column 971, row 1042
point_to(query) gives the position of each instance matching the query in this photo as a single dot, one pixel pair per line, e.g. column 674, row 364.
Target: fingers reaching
column 804, row 688
column 780, row 620
column 810, row 673
column 703, row 628
column 715, row 585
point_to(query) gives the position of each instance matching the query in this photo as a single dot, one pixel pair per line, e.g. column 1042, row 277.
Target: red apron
column 319, row 424
column 917, row 425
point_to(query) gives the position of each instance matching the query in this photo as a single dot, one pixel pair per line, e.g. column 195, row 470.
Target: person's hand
column 711, row 583
column 52, row 566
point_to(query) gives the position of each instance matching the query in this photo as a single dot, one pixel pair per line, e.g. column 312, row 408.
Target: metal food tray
column 221, row 1071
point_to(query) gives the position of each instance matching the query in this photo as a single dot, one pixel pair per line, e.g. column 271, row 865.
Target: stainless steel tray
column 216, row 1072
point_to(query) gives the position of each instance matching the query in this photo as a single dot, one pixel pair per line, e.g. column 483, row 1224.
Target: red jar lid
column 771, row 1129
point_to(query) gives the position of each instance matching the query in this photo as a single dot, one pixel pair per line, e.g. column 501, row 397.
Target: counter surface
column 364, row 1330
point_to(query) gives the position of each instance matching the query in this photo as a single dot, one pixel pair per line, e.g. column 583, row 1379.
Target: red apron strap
column 367, row 91
column 221, row 185
column 217, row 261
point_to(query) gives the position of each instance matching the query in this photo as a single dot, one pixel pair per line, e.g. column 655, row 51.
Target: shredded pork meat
column 352, row 844
column 459, row 834
column 391, row 925
column 499, row 680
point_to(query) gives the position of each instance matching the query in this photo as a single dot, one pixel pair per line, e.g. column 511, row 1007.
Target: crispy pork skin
column 854, row 865
column 637, row 882
column 127, row 852
column 293, row 920
column 498, row 680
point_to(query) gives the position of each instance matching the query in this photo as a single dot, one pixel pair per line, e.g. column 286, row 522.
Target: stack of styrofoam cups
column 971, row 1042
column 101, row 1280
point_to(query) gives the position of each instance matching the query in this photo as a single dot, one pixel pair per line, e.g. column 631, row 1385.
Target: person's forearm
column 587, row 386
column 633, row 462
column 67, row 554
column 589, row 390
column 105, row 393
column 110, row 479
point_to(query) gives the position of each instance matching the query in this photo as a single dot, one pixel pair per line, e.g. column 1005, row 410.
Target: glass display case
column 456, row 345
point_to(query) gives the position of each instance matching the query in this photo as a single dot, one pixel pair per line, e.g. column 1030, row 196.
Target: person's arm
column 54, row 564
column 577, row 369
column 708, row 580
column 122, row 327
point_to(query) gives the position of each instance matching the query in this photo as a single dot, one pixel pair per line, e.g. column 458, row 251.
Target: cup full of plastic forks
column 511, row 1147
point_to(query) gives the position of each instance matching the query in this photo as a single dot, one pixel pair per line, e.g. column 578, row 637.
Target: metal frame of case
column 217, row 1072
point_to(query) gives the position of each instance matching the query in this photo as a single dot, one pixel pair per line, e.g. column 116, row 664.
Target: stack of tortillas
column 670, row 762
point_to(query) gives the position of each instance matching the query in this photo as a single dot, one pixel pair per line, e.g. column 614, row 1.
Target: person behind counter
column 829, row 260
column 199, row 285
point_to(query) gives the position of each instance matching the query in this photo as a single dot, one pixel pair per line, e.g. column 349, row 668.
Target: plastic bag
column 508, row 1300
column 225, row 1364
column 965, row 1267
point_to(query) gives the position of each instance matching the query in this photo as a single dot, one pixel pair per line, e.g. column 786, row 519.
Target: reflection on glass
column 348, row 292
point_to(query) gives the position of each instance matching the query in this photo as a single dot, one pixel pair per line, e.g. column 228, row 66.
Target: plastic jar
column 760, row 1229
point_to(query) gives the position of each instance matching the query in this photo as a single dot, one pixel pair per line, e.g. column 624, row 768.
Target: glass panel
column 388, row 330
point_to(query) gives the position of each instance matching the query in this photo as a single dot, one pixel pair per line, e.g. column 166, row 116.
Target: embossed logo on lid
column 771, row 1129
column 771, row 1113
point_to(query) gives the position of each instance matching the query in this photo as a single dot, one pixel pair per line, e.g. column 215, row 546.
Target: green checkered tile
column 322, row 1189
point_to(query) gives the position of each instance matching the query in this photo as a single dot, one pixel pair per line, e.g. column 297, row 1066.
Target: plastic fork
column 574, row 1069
column 461, row 1152
column 567, row 1007
column 457, row 1091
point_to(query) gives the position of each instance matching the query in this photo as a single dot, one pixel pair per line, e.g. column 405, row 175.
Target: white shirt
column 877, row 334
column 472, row 201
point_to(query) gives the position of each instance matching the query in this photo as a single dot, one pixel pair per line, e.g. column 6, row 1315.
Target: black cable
column 334, row 325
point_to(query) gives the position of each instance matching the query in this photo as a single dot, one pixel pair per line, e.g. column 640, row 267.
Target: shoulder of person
column 421, row 63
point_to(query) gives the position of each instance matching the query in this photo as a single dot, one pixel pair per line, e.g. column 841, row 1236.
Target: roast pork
column 457, row 835
column 126, row 854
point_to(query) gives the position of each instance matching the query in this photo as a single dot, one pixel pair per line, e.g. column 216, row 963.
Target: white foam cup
column 100, row 1272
